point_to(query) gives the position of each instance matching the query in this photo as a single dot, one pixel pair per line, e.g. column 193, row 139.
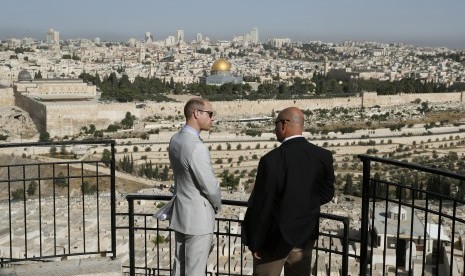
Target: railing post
column 113, row 199
column 132, row 255
column 345, row 248
column 364, row 222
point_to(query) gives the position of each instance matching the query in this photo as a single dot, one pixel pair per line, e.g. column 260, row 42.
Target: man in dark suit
column 281, row 222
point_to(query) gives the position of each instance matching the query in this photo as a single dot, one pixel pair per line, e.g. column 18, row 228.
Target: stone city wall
column 6, row 96
column 68, row 119
column 60, row 89
column 50, row 88
column 371, row 98
column 236, row 109
column 37, row 110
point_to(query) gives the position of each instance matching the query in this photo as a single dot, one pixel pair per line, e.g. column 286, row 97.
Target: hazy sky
column 418, row 22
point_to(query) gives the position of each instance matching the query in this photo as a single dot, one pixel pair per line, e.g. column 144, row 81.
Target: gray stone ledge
column 100, row 266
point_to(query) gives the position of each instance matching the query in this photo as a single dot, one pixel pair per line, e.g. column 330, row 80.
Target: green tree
column 53, row 150
column 436, row 186
column 284, row 90
column 148, row 171
column 113, row 128
column 128, row 121
column 348, row 185
column 31, row 189
column 229, row 181
column 44, row 136
column 18, row 194
column 159, row 239
column 165, row 173
column 253, row 132
column 240, row 159
column 400, row 189
column 92, row 129
column 106, row 155
column 127, row 164
column 88, row 189
column 98, row 133
column 416, row 186
column 60, row 180
column 63, row 150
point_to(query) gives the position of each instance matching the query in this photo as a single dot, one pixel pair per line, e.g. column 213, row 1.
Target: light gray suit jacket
column 198, row 195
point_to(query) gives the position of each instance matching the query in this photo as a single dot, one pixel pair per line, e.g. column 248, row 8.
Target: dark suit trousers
column 296, row 261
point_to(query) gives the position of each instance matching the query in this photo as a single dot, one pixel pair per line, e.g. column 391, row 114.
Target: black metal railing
column 151, row 242
column 412, row 219
column 54, row 204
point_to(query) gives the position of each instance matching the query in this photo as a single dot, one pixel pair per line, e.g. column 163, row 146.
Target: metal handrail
column 133, row 197
column 22, row 178
column 369, row 197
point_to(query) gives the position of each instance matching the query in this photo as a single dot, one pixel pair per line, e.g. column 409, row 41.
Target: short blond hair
column 192, row 105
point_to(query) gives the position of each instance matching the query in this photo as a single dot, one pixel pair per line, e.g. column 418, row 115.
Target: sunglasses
column 210, row 113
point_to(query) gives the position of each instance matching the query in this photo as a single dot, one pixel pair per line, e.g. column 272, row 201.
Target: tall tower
column 254, row 35
column 148, row 37
column 199, row 38
column 180, row 35
column 326, row 66
column 141, row 53
column 53, row 37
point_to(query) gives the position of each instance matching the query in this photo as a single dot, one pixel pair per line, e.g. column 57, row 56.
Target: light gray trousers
column 191, row 254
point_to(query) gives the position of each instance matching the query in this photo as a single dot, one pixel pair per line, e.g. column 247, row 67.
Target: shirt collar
column 291, row 137
column 191, row 130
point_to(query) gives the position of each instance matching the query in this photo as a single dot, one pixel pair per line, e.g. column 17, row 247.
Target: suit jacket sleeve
column 327, row 188
column 205, row 177
column 258, row 217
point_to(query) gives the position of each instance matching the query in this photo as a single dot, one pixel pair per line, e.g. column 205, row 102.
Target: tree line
column 155, row 89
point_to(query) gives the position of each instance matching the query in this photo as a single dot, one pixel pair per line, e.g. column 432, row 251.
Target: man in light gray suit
column 198, row 195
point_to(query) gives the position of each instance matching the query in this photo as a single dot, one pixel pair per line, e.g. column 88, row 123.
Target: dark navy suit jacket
column 292, row 182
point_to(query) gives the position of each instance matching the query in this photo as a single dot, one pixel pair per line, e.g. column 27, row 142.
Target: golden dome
column 221, row 65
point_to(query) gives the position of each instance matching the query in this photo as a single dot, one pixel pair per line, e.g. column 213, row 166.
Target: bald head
column 294, row 115
column 290, row 122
